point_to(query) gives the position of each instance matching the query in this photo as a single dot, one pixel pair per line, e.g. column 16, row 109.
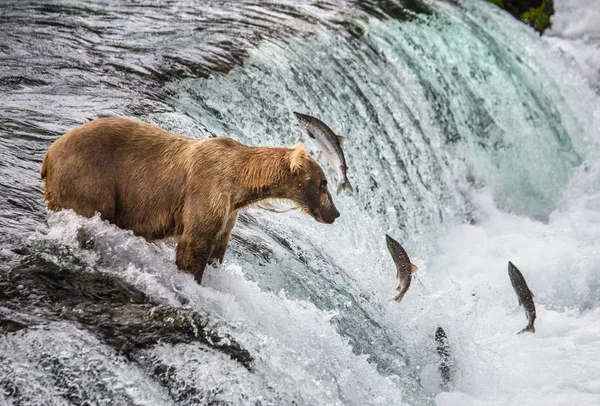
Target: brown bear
column 159, row 184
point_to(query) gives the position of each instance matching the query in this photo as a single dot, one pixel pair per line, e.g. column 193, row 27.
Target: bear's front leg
column 221, row 243
column 195, row 245
column 203, row 220
column 192, row 255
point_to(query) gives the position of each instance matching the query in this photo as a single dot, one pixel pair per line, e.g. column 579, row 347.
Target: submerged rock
column 536, row 13
column 8, row 325
column 39, row 292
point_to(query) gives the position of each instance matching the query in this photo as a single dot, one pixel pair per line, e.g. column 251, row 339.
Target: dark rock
column 118, row 313
column 10, row 326
column 536, row 13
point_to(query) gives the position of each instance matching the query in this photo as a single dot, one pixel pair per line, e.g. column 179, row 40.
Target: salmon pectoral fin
column 414, row 268
column 341, row 139
column 343, row 185
column 319, row 154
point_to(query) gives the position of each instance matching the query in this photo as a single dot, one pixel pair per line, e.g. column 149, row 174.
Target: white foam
column 475, row 303
column 576, row 31
column 297, row 351
column 42, row 363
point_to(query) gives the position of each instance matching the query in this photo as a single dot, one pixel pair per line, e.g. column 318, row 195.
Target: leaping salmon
column 443, row 350
column 404, row 268
column 329, row 144
column 524, row 295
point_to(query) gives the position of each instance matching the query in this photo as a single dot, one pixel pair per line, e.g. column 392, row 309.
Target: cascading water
column 469, row 140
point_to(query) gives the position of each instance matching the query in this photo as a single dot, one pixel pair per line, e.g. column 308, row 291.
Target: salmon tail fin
column 399, row 297
column 528, row 329
column 345, row 185
column 414, row 268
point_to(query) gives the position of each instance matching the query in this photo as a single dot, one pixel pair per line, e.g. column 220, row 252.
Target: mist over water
column 470, row 140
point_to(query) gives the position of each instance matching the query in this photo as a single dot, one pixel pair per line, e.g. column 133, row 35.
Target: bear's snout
column 327, row 215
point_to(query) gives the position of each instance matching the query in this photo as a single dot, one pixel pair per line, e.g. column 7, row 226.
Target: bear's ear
column 298, row 157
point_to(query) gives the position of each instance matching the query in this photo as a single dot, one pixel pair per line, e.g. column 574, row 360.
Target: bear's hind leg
column 84, row 193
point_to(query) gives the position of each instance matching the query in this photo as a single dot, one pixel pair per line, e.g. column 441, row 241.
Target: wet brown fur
column 159, row 184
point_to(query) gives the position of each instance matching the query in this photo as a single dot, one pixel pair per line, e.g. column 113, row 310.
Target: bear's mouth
column 321, row 218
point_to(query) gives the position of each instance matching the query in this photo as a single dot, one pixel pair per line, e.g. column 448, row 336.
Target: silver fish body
column 404, row 268
column 524, row 295
column 329, row 144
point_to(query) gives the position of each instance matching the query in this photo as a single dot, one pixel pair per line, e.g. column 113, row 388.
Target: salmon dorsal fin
column 341, row 139
column 414, row 268
column 532, row 295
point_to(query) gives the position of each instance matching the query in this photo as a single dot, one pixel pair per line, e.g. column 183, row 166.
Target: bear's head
column 307, row 186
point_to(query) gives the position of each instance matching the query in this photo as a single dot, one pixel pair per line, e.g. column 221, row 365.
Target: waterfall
column 470, row 140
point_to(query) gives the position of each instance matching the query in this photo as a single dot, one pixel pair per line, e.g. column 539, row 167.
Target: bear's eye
column 323, row 186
